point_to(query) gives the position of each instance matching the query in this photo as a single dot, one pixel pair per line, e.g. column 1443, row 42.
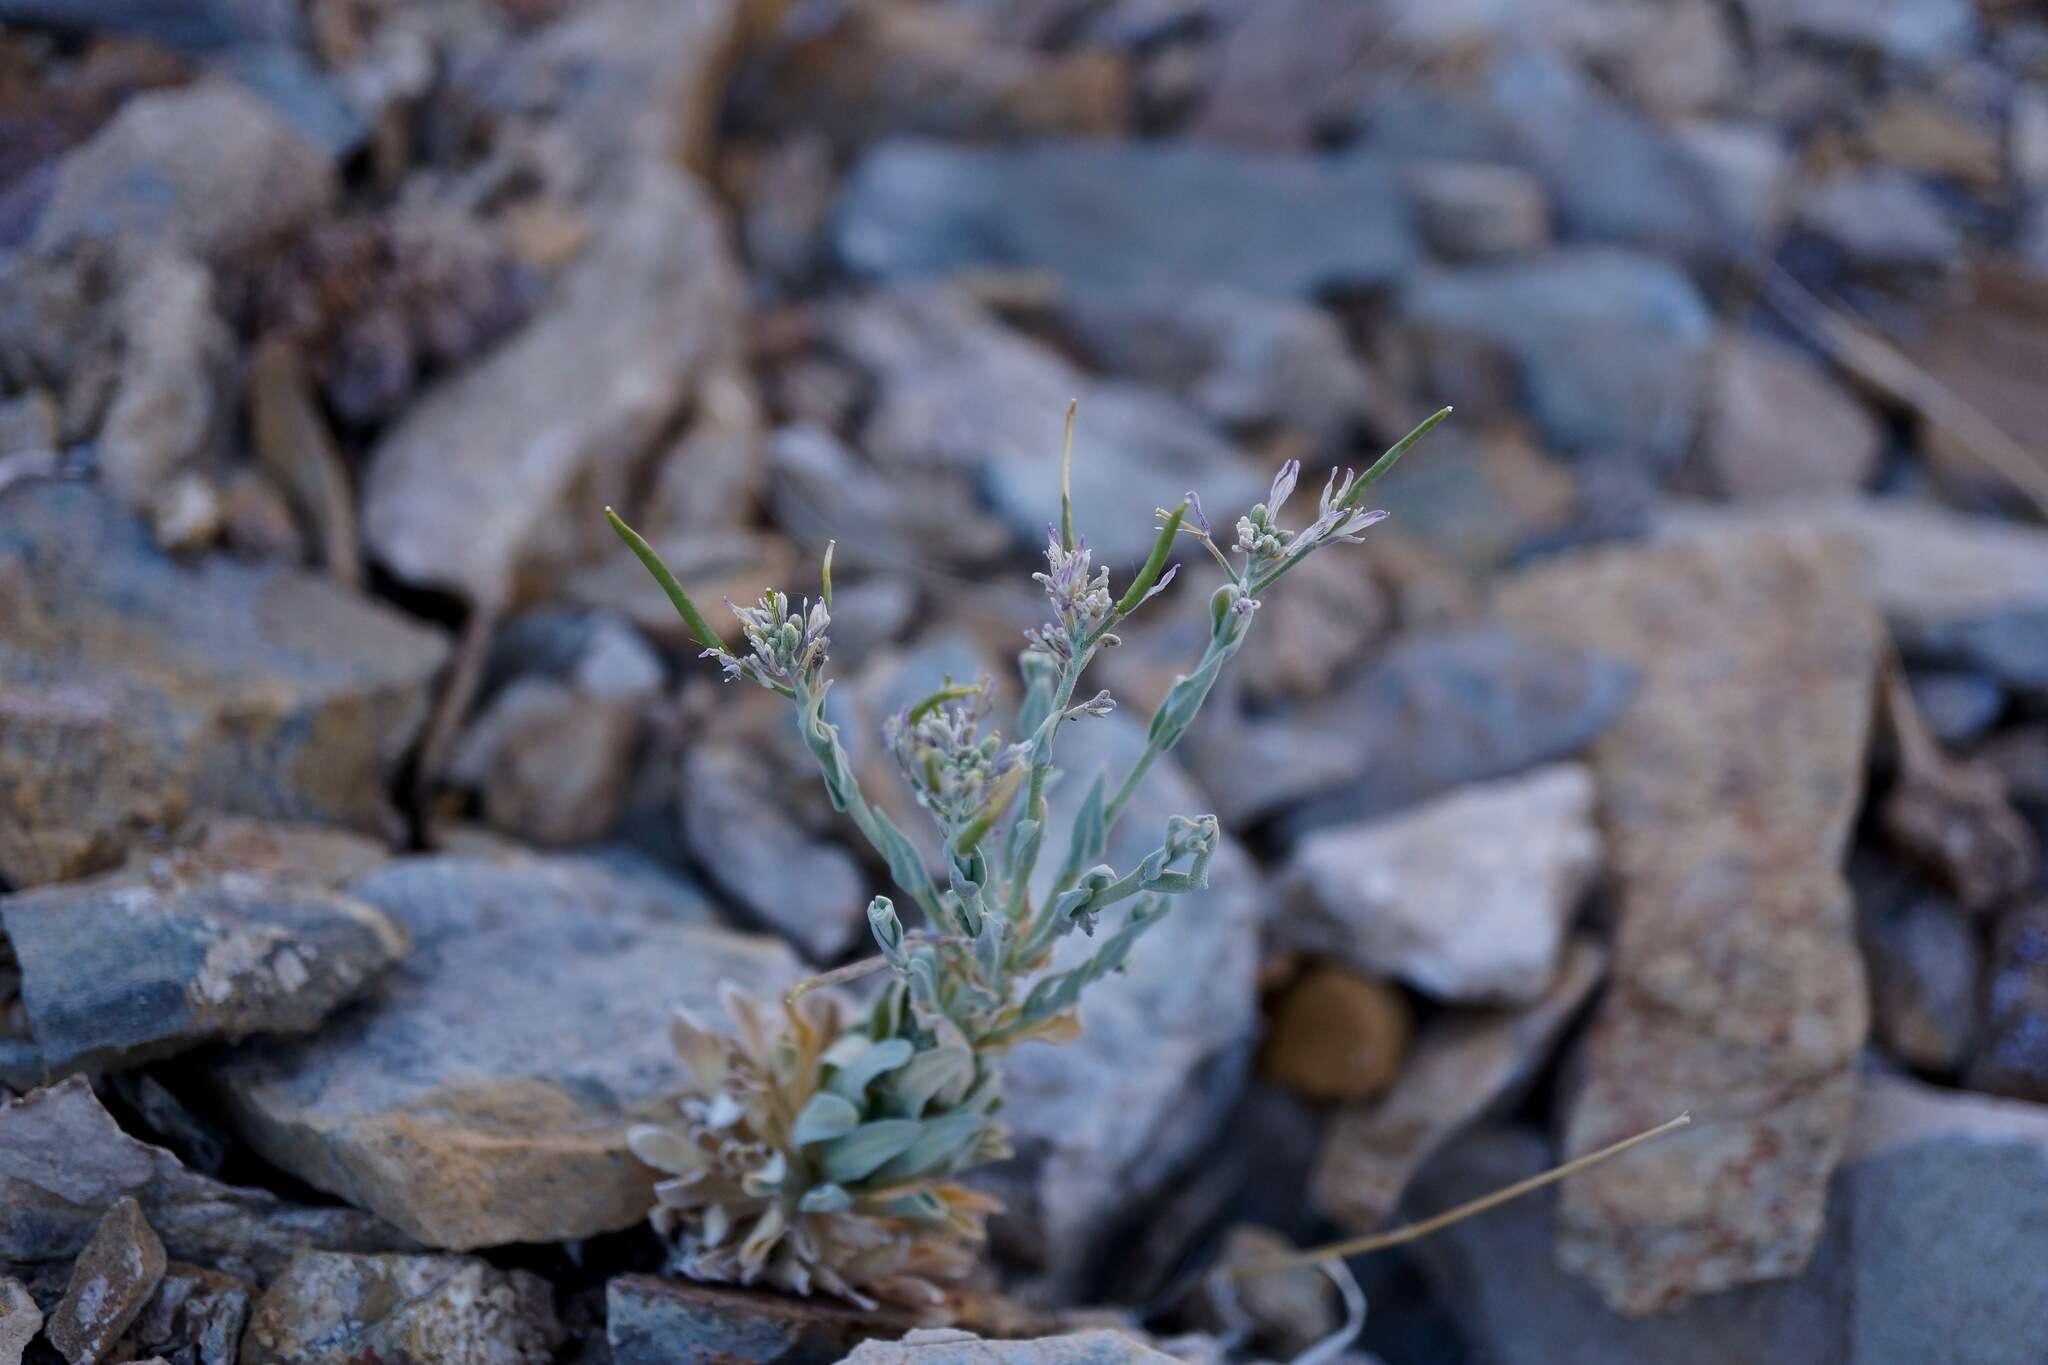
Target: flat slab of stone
column 1727, row 790
column 651, row 1321
column 64, row 1162
column 135, row 689
column 1118, row 215
column 931, row 1344
column 481, row 1092
column 121, row 969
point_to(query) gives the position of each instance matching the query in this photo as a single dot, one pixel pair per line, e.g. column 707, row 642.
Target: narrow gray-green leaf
column 912, row 1088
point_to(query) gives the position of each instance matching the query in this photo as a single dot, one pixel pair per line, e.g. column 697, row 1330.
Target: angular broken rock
column 1727, row 792
column 1466, row 898
column 64, row 1162
column 329, row 1308
column 928, row 1345
column 20, row 1320
column 195, row 1315
column 496, row 479
column 1464, row 1063
column 135, row 689
column 120, row 970
column 650, row 1321
column 480, row 1094
column 115, row 1275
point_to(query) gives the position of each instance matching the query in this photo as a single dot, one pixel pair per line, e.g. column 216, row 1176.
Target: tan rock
column 1727, row 788
column 20, row 1320
column 1777, row 424
column 329, row 1308
column 115, row 1275
column 1337, row 1035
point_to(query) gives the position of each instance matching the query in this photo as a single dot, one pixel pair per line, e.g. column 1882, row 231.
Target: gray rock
column 1465, row 1063
column 1106, row 1120
column 1439, row 710
column 1117, row 215
column 20, row 1320
column 120, row 970
column 742, row 829
column 1469, row 210
column 1728, row 789
column 2012, row 1058
column 195, row 26
column 329, row 1308
column 651, row 1321
column 1467, row 897
column 64, row 1162
column 1924, row 33
column 552, row 749
column 495, row 481
column 195, row 1315
column 962, row 396
column 210, row 169
column 1098, row 1347
column 115, row 1276
column 1245, row 361
column 1610, row 173
column 481, row 1093
column 1778, row 425
column 1926, row 967
column 1957, row 591
column 1876, row 1292
column 1610, row 343
column 1960, row 708
column 1882, row 219
column 141, row 689
column 823, row 490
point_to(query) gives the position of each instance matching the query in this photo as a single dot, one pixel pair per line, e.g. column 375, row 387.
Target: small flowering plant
column 821, row 1150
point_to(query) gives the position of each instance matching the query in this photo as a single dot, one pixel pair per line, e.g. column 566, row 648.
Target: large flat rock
column 481, row 1093
column 118, row 969
column 1118, row 215
column 1727, row 790
column 135, row 688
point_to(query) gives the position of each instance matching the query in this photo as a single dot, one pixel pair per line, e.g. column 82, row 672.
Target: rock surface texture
column 480, row 1094
column 135, row 689
column 329, row 1308
column 1727, row 790
column 1467, row 898
column 64, row 1162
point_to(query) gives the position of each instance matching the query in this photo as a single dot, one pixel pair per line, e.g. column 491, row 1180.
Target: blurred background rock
column 1681, row 742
